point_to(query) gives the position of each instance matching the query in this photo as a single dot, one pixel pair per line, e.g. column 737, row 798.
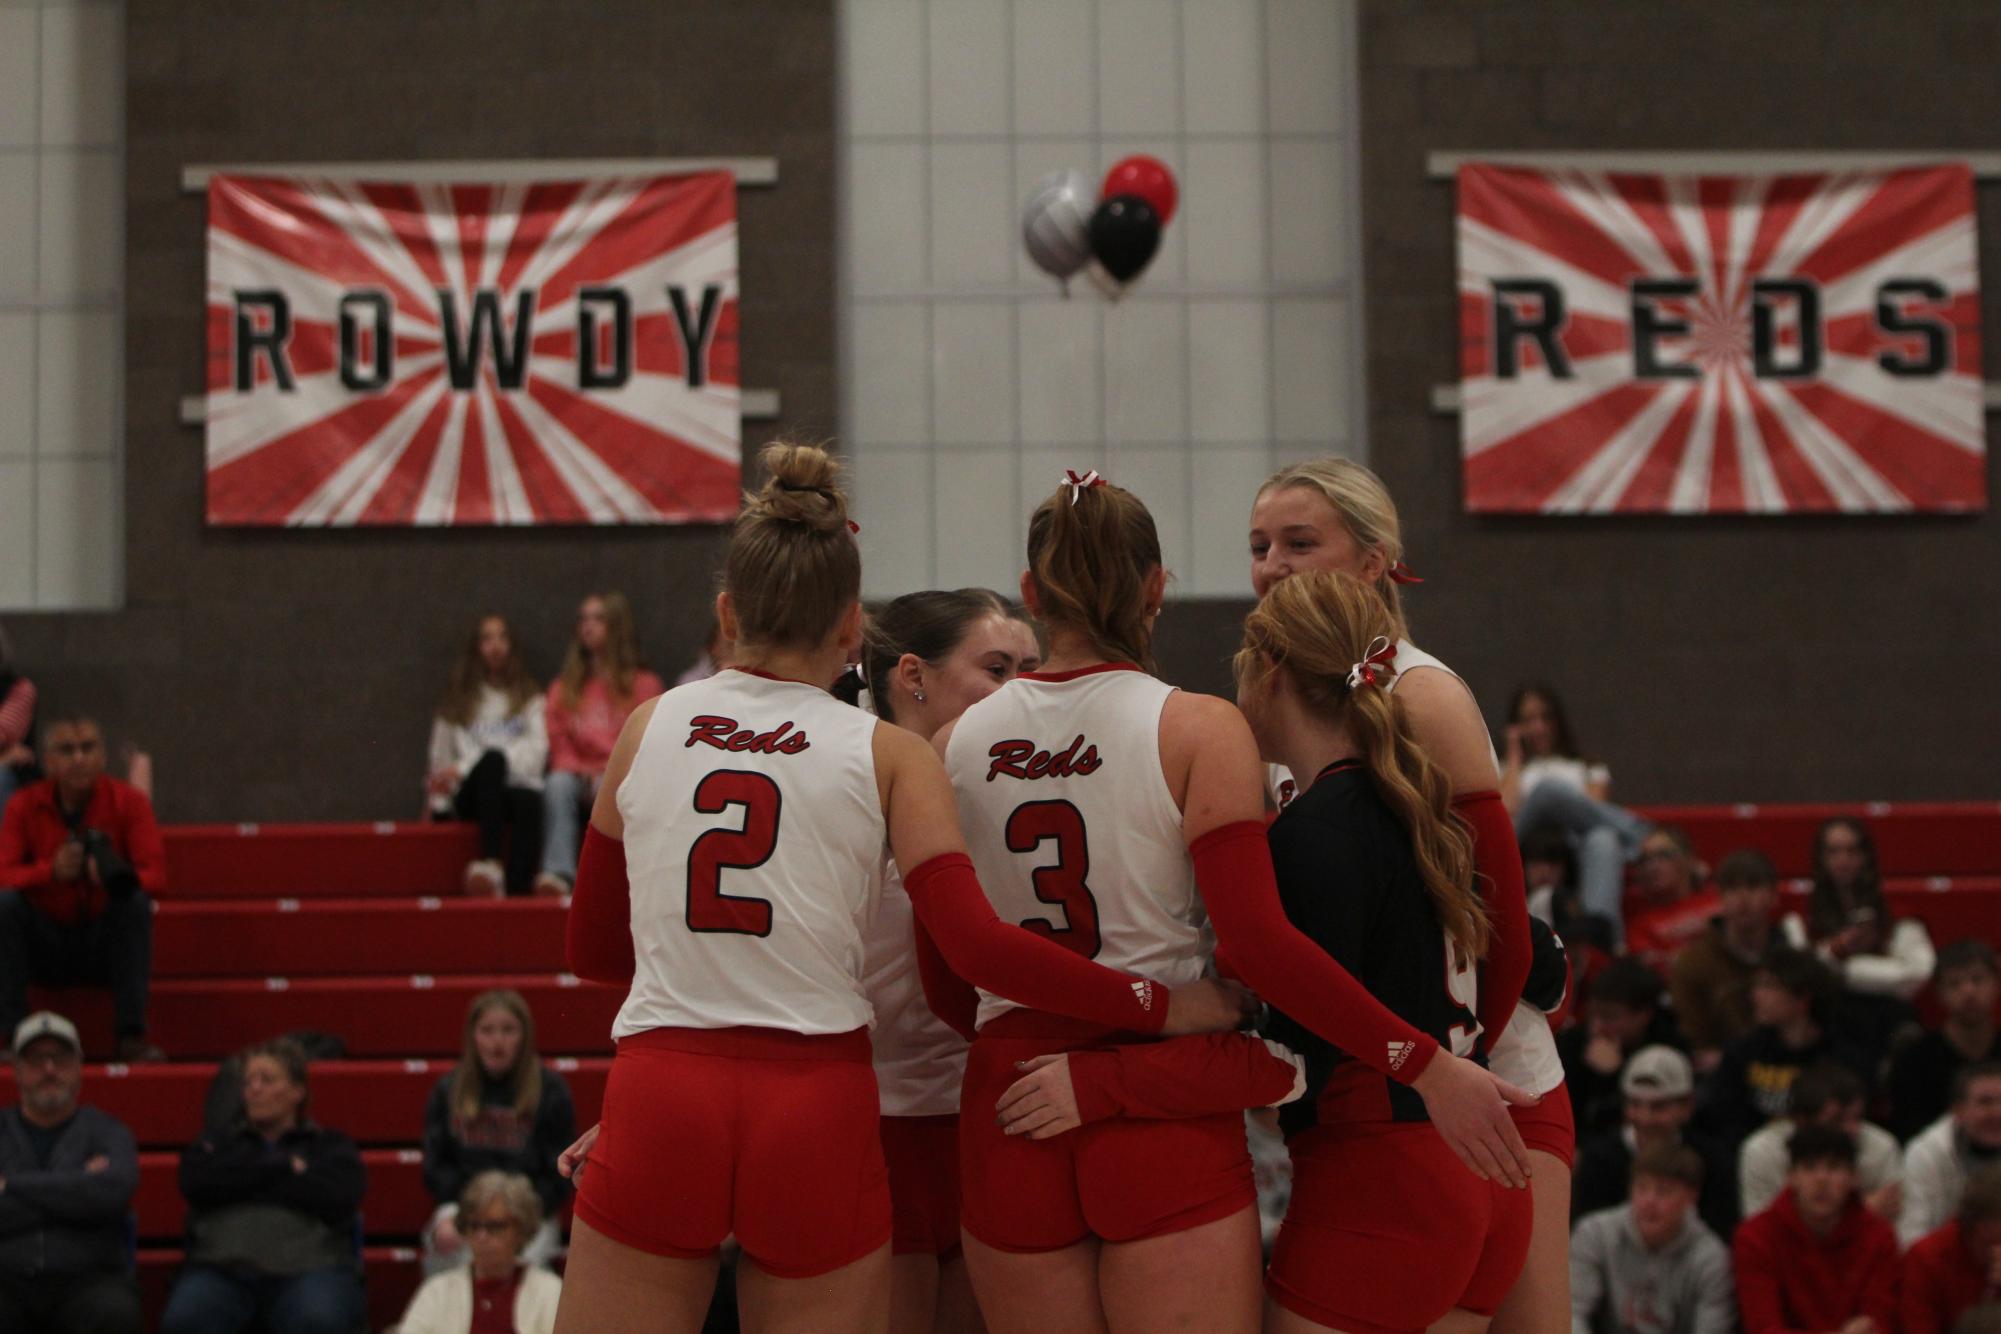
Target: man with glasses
column 1667, row 908
column 67, row 1173
column 82, row 855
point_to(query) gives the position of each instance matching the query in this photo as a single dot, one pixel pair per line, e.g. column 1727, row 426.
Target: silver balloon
column 1056, row 223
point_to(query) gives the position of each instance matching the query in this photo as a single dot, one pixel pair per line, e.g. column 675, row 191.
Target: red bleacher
column 361, row 931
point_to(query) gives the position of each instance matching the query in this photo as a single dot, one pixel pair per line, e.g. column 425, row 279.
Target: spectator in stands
column 1549, row 870
column 1790, row 998
column 500, row 1288
column 1711, row 978
column 1938, row 1162
column 500, row 1110
column 1966, row 984
column 488, row 749
column 1818, row 1259
column 1544, row 782
column 67, row 1173
column 17, row 724
column 1957, row 1267
column 1882, row 961
column 1668, row 908
column 1659, row 1089
column 1624, row 1013
column 1650, row 1267
column 273, row 1228
column 1828, row 1094
column 81, row 854
column 714, row 657
column 600, row 685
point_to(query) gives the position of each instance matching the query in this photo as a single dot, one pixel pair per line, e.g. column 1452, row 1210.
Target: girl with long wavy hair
column 601, row 683
column 488, row 749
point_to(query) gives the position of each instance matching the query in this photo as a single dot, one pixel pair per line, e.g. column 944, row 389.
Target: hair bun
column 802, row 487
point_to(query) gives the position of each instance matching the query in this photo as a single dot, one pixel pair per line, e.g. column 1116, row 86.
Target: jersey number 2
column 1061, row 885
column 709, row 909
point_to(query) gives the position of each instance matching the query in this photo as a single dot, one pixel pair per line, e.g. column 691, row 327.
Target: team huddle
column 950, row 984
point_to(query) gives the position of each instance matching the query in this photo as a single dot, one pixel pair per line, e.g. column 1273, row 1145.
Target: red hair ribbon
column 854, row 527
column 1401, row 573
column 1381, row 653
column 1079, row 485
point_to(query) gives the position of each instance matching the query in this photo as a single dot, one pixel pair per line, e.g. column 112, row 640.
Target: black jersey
column 1349, row 880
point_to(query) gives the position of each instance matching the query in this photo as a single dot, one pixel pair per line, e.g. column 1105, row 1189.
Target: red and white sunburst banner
column 396, row 353
column 1719, row 344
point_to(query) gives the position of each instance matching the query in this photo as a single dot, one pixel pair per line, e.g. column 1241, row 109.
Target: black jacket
column 61, row 1219
column 499, row 1140
column 252, row 1207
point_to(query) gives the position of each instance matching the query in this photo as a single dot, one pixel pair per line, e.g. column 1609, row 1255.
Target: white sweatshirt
column 520, row 736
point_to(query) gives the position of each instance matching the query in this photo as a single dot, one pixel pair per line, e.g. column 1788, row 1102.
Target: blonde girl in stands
column 1334, row 514
column 500, row 1109
column 752, row 810
column 1124, row 819
column 925, row 658
column 600, row 685
column 489, row 746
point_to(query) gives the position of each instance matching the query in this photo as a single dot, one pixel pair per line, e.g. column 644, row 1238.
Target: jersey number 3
column 1061, row 885
column 709, row 909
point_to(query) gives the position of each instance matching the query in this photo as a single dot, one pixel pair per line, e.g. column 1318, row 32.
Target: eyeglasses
column 495, row 1226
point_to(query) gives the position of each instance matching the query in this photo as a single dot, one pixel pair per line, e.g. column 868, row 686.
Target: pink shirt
column 580, row 741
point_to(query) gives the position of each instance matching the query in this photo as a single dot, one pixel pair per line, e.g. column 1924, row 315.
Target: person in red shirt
column 1667, row 908
column 1818, row 1261
column 1957, row 1267
column 80, row 856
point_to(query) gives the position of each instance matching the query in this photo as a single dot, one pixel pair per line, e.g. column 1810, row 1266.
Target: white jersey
column 919, row 1060
column 754, row 845
column 1071, row 825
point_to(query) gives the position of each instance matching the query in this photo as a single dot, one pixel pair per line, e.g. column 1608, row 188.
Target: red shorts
column 923, row 1157
column 1121, row 1180
column 1388, row 1231
column 766, row 1134
column 1549, row 1126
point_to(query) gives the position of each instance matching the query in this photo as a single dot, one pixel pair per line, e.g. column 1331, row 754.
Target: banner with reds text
column 399, row 353
column 1719, row 344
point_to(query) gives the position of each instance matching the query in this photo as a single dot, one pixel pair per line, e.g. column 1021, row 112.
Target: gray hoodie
column 1618, row 1286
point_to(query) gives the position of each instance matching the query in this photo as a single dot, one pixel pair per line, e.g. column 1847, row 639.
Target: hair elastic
column 1381, row 653
column 1079, row 485
column 1401, row 573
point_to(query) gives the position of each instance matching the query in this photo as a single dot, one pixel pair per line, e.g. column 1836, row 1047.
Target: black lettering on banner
column 697, row 331
column 1511, row 325
column 1897, row 321
column 1765, row 362
column 591, row 373
column 462, row 347
column 1651, row 324
column 269, row 339
column 371, row 310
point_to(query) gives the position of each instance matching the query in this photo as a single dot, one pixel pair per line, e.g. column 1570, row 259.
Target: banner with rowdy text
column 1719, row 344
column 385, row 353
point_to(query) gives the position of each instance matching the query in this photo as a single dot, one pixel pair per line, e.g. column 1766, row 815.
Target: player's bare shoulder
column 1445, row 719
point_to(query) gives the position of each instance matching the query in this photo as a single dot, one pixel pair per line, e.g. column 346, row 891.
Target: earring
column 920, row 697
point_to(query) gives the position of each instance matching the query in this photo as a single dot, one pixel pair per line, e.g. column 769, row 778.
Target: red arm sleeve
column 1233, row 868
column 948, row 995
column 1019, row 964
column 143, row 845
column 1183, row 1077
column 597, row 940
column 1498, row 861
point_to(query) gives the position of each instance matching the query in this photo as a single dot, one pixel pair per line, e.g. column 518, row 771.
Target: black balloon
column 1125, row 231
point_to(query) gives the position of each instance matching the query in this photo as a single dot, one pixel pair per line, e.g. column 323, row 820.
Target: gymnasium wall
column 1715, row 659
column 291, row 675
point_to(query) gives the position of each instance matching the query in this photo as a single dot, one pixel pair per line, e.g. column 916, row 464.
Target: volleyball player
column 925, row 657
column 733, row 857
column 1123, row 818
column 1334, row 514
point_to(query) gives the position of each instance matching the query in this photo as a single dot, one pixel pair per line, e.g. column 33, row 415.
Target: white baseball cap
column 1657, row 1073
column 47, row 1024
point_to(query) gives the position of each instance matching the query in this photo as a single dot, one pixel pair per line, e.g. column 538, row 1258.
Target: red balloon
column 1147, row 177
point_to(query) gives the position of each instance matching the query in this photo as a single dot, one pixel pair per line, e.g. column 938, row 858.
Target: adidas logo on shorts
column 1400, row 1052
column 1143, row 992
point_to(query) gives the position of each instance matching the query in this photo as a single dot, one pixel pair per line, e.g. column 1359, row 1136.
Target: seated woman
column 600, row 685
column 17, row 725
column 488, row 750
column 271, row 1214
column 500, row 1288
column 500, row 1110
column 1882, row 961
column 1545, row 782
